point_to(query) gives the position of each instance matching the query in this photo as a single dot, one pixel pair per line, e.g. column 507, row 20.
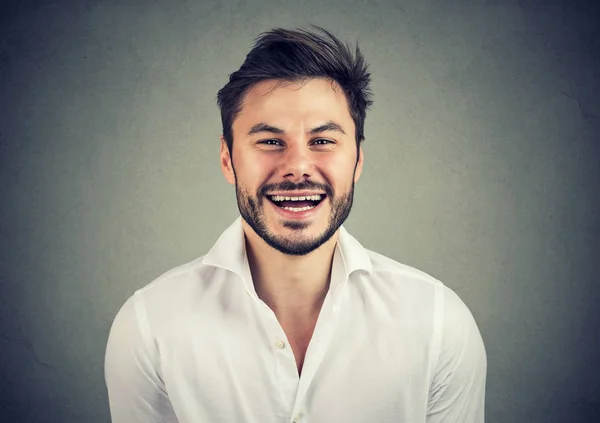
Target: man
column 288, row 318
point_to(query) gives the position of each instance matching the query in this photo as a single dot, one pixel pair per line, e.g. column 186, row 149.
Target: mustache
column 291, row 186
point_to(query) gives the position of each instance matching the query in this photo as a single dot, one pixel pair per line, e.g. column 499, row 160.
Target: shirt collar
column 229, row 253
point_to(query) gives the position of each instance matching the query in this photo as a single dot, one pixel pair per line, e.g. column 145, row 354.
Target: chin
column 298, row 241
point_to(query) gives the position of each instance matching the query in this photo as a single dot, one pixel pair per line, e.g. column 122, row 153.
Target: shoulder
column 420, row 290
column 405, row 275
column 178, row 281
column 399, row 276
column 456, row 336
column 385, row 265
column 171, row 295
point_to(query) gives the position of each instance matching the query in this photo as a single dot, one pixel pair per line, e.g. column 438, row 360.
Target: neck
column 290, row 285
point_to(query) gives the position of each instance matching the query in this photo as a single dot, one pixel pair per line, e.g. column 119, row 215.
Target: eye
column 273, row 142
column 322, row 141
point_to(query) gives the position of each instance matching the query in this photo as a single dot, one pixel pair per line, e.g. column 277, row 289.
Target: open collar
column 229, row 253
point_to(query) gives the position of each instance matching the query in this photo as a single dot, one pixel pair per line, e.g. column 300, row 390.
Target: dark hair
column 296, row 55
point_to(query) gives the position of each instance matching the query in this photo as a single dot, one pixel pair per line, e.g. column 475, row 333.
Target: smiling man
column 288, row 318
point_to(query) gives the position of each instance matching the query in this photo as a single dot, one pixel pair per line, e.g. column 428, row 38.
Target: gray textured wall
column 482, row 167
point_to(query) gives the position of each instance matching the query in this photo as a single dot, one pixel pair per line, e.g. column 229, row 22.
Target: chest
column 212, row 367
column 299, row 337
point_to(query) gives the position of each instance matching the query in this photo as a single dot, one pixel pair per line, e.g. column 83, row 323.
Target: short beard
column 252, row 211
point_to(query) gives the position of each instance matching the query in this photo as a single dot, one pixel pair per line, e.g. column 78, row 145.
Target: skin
column 293, row 285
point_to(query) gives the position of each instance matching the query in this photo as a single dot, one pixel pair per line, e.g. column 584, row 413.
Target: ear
column 359, row 165
column 226, row 163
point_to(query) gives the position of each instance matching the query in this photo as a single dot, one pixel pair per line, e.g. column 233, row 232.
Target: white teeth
column 299, row 209
column 316, row 197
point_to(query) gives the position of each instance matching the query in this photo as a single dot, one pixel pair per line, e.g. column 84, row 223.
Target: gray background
column 482, row 167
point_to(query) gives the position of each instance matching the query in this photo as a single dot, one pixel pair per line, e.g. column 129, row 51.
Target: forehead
column 287, row 103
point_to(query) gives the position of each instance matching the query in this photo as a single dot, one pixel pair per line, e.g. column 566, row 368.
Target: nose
column 297, row 162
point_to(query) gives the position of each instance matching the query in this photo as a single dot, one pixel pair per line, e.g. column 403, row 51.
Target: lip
column 288, row 214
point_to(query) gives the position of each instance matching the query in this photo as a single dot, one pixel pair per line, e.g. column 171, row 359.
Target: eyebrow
column 263, row 127
column 329, row 126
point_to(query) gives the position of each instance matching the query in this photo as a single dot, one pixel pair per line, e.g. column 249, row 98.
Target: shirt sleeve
column 135, row 392
column 457, row 394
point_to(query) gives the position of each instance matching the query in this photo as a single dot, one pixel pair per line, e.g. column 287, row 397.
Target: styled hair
column 299, row 55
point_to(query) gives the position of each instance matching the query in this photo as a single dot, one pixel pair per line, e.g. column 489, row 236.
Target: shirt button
column 280, row 344
column 297, row 418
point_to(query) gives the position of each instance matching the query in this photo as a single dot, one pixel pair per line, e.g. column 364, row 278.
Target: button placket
column 315, row 353
column 284, row 363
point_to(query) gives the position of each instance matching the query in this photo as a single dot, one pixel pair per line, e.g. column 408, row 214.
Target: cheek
column 250, row 171
column 339, row 170
column 257, row 174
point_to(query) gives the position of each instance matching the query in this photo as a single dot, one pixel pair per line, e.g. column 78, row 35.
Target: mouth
column 297, row 206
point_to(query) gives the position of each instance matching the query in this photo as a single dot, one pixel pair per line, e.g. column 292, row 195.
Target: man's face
column 294, row 162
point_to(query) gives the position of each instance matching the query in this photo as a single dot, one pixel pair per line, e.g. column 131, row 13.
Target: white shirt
column 391, row 344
